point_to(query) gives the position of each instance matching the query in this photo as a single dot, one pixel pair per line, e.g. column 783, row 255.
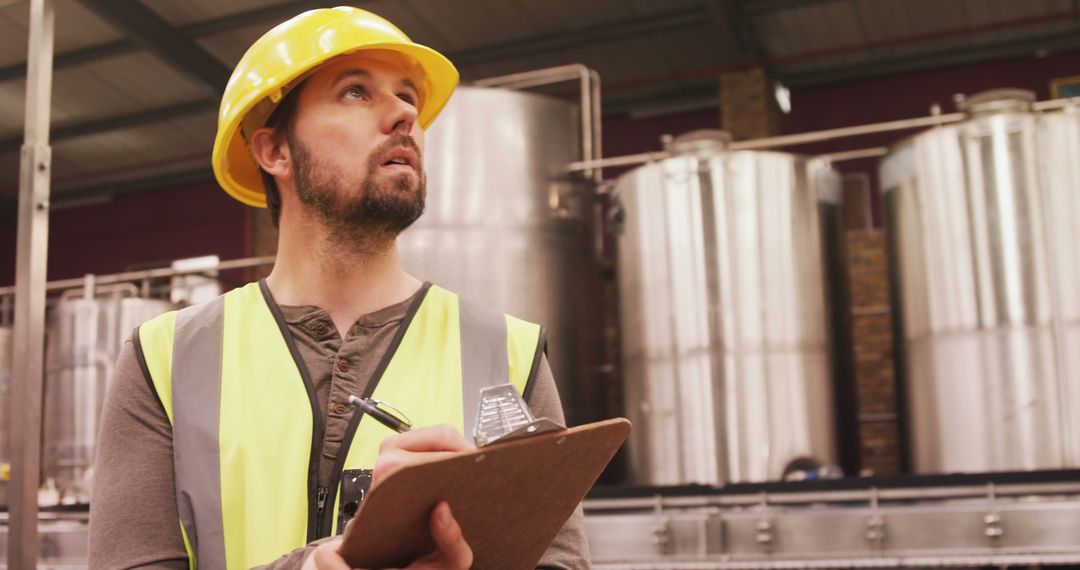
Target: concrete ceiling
column 137, row 83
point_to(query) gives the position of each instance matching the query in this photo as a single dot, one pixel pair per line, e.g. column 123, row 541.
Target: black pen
column 371, row 408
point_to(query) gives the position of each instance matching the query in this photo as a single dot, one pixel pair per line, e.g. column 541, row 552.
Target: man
column 227, row 433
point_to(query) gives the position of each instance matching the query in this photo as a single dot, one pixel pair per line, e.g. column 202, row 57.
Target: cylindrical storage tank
column 983, row 226
column 84, row 340
column 505, row 226
column 726, row 345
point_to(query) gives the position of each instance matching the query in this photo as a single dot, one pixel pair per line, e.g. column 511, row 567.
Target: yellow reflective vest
column 243, row 410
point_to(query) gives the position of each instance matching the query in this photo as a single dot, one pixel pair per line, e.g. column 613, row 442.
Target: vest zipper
column 320, row 503
column 326, row 519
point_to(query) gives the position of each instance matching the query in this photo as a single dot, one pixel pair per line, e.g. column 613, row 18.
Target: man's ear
column 271, row 155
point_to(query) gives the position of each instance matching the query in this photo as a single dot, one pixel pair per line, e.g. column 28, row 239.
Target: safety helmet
column 284, row 56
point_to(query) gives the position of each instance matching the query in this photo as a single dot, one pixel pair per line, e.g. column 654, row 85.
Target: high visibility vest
column 243, row 410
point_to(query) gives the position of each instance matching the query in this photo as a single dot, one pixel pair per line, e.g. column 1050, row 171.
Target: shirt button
column 321, row 328
column 343, row 365
column 340, row 409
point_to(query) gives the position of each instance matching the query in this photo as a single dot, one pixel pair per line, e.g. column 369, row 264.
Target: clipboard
column 510, row 498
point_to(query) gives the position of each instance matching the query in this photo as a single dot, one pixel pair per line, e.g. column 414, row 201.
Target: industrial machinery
column 505, row 225
column 88, row 322
column 723, row 299
column 982, row 221
column 86, row 330
column 1000, row 520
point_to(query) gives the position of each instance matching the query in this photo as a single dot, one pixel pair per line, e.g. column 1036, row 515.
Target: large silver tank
column 726, row 345
column 504, row 227
column 84, row 339
column 984, row 226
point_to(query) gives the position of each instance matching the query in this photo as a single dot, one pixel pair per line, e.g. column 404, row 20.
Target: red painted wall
column 626, row 135
column 133, row 229
column 908, row 96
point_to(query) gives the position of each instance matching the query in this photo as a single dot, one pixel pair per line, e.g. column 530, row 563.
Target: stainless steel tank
column 984, row 233
column 726, row 344
column 84, row 339
column 504, row 226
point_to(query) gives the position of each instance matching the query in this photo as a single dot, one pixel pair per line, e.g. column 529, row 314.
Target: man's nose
column 399, row 116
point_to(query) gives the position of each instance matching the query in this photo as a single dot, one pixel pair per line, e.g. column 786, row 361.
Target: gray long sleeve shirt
column 133, row 516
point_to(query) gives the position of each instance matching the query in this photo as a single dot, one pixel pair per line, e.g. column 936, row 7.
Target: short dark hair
column 281, row 121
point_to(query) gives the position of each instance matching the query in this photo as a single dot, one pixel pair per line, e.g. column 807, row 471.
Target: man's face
column 356, row 149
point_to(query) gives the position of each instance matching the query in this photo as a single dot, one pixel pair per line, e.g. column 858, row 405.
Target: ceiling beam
column 517, row 48
column 117, row 122
column 483, row 54
column 152, row 32
column 696, row 96
column 74, row 57
column 730, row 19
column 761, row 7
column 603, row 32
column 75, row 195
column 273, row 13
column 1030, row 47
column 202, row 28
column 1064, row 42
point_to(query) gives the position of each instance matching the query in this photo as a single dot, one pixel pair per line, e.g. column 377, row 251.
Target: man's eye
column 408, row 98
column 355, row 92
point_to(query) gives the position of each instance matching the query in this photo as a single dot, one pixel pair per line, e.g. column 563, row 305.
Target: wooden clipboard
column 510, row 499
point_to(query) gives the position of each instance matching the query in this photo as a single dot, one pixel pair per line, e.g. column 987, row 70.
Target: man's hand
column 415, row 446
column 395, row 452
column 451, row 551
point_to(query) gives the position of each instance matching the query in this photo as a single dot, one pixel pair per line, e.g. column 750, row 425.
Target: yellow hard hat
column 277, row 62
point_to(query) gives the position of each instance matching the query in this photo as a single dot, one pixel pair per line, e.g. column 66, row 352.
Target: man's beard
column 367, row 220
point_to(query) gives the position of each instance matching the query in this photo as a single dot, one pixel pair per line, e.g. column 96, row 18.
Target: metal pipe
column 100, row 290
column 819, row 136
column 627, row 160
column 786, row 140
column 1053, row 104
column 999, row 559
column 133, row 276
column 855, row 154
column 30, row 265
column 597, row 120
column 845, row 496
column 589, row 100
column 843, row 132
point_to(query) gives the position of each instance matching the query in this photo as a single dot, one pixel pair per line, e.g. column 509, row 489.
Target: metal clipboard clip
column 503, row 416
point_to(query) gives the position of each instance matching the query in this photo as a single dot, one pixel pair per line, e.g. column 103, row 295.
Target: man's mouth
column 400, row 158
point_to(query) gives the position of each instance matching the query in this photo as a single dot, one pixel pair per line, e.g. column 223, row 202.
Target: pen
column 371, row 408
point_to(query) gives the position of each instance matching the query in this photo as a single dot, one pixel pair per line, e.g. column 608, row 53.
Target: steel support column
column 32, row 246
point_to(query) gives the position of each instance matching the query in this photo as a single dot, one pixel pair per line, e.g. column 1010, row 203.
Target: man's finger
column 395, row 459
column 450, row 544
column 326, row 557
column 434, row 438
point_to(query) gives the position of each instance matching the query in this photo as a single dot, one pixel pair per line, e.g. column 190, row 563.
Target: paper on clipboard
column 510, row 498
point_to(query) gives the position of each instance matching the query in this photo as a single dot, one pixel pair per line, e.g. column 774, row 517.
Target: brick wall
column 747, row 107
column 872, row 334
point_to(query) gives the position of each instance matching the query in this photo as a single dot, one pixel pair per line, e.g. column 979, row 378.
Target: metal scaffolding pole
column 30, row 261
